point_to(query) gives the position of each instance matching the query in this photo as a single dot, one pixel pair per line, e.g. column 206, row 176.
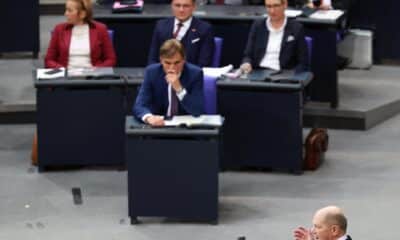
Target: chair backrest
column 309, row 42
column 216, row 61
column 210, row 94
column 111, row 35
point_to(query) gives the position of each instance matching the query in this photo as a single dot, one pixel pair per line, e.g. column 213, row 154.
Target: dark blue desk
column 172, row 172
column 80, row 122
column 133, row 32
column 263, row 126
column 20, row 26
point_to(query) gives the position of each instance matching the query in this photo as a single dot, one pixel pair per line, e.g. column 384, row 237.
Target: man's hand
column 173, row 79
column 302, row 234
column 155, row 120
column 246, row 68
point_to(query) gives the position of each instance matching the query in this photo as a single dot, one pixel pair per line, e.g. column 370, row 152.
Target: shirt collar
column 185, row 23
column 272, row 29
column 344, row 237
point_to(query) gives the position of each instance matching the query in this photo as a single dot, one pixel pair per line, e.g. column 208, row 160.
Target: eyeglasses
column 276, row 5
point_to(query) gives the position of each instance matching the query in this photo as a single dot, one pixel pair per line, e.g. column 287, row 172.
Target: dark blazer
column 102, row 52
column 153, row 94
column 198, row 41
column 293, row 54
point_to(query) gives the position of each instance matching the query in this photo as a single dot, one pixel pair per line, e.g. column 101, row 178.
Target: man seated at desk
column 275, row 42
column 171, row 87
column 195, row 34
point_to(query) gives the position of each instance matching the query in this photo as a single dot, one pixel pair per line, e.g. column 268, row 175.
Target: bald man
column 329, row 223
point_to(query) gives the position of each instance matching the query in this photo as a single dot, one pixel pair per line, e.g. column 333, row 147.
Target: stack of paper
column 327, row 14
column 291, row 13
column 217, row 72
column 191, row 121
column 90, row 72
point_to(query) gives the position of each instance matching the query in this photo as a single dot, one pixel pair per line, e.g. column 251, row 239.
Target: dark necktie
column 174, row 103
column 180, row 25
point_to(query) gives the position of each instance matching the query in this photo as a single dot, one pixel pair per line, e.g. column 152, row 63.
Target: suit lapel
column 93, row 38
column 263, row 41
column 164, row 89
column 170, row 28
column 286, row 33
column 190, row 33
column 67, row 37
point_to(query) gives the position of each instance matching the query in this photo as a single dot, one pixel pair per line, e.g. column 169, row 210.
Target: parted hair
column 170, row 47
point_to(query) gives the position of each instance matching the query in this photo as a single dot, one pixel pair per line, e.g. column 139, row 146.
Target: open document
column 90, row 72
column 191, row 121
column 50, row 73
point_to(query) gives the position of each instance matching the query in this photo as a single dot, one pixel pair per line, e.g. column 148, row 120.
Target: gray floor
column 360, row 174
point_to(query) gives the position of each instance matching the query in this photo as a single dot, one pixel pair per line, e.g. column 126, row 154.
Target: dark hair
column 87, row 6
column 171, row 47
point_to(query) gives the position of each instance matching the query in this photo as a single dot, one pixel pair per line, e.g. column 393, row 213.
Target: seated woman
column 78, row 43
column 276, row 42
column 81, row 41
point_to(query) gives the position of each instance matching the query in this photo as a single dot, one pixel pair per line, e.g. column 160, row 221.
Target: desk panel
column 80, row 126
column 263, row 128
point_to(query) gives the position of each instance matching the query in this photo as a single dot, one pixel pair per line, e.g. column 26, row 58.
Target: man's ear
column 335, row 230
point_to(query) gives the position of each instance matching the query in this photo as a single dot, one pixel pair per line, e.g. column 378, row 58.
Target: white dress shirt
column 273, row 49
column 79, row 49
column 344, row 237
column 185, row 27
column 180, row 96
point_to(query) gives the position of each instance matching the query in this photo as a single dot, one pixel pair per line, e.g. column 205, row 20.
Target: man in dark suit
column 195, row 35
column 171, row 87
column 329, row 223
column 276, row 42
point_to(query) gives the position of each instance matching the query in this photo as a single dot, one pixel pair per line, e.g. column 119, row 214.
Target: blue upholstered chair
column 216, row 61
column 210, row 94
column 111, row 35
column 209, row 84
column 309, row 42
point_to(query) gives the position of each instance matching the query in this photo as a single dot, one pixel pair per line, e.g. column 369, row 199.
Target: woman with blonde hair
column 80, row 41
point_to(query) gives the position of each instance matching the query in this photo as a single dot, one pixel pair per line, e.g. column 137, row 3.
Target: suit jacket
column 198, row 41
column 293, row 54
column 102, row 52
column 153, row 94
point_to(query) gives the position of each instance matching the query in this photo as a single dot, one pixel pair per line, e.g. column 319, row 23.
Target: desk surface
column 128, row 76
column 135, row 128
column 214, row 12
column 256, row 84
column 134, row 77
